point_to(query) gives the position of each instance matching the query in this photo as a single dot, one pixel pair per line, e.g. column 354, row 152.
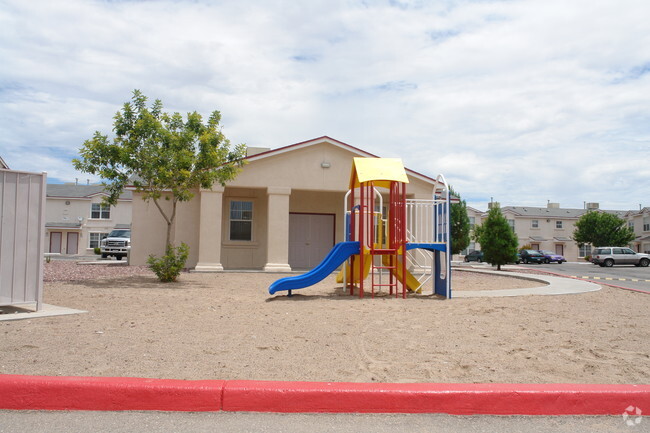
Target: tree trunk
column 168, row 220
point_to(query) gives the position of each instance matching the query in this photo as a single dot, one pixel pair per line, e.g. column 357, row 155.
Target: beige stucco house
column 284, row 211
column 76, row 219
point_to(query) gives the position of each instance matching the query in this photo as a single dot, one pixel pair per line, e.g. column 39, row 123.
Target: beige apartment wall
column 122, row 213
column 148, row 230
column 245, row 254
column 547, row 230
column 642, row 242
column 186, row 227
column 300, row 168
column 57, row 211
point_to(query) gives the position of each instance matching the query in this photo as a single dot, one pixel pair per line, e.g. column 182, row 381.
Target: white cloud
column 523, row 101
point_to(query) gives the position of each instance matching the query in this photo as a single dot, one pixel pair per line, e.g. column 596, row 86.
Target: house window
column 94, row 238
column 630, row 225
column 558, row 224
column 100, row 211
column 584, row 250
column 511, row 223
column 646, row 224
column 535, row 224
column 472, row 222
column 241, row 220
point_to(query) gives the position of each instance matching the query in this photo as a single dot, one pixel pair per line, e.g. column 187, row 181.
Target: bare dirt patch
column 226, row 326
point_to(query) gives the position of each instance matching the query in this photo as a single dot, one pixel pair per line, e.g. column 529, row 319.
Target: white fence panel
column 22, row 222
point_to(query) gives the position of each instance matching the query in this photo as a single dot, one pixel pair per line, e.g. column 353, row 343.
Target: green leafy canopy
column 160, row 154
column 602, row 229
column 460, row 229
column 498, row 240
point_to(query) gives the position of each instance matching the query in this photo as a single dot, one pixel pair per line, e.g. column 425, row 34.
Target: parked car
column 531, row 256
column 610, row 256
column 117, row 244
column 550, row 256
column 474, row 256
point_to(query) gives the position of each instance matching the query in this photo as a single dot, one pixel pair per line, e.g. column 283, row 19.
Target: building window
column 646, row 224
column 241, row 220
column 558, row 224
column 630, row 224
column 94, row 238
column 472, row 222
column 584, row 250
column 535, row 224
column 100, row 211
column 511, row 223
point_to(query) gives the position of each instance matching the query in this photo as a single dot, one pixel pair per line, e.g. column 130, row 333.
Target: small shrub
column 168, row 267
column 97, row 250
column 588, row 258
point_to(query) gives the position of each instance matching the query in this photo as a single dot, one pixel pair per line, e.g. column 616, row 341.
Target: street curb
column 120, row 394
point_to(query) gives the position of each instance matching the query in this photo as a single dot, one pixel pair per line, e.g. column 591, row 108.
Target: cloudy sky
column 522, row 101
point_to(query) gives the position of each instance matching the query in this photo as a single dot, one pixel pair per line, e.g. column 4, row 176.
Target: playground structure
column 384, row 243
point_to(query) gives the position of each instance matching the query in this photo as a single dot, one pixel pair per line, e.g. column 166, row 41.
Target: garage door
column 311, row 237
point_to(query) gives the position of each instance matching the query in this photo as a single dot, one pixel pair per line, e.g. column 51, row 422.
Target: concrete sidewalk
column 553, row 285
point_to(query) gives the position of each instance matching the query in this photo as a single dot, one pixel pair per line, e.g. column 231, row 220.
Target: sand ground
column 226, row 326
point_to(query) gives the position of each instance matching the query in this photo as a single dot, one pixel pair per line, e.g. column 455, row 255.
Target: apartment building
column 551, row 228
column 77, row 219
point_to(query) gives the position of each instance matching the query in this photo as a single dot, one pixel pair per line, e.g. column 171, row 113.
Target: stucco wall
column 148, row 230
column 245, row 254
column 58, row 211
column 314, row 189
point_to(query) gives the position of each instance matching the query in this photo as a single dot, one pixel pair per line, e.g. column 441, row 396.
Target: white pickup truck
column 117, row 244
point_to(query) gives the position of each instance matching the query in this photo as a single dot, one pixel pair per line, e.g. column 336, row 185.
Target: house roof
column 337, row 143
column 546, row 212
column 3, row 164
column 80, row 191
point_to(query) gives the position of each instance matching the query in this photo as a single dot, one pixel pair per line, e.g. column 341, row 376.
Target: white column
column 277, row 250
column 210, row 230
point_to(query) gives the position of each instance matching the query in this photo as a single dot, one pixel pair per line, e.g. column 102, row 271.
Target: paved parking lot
column 628, row 276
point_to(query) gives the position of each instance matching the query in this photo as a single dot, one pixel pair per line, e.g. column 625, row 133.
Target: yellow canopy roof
column 382, row 171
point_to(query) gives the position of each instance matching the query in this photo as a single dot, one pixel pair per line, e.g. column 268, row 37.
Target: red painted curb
column 115, row 393
column 453, row 398
column 108, row 393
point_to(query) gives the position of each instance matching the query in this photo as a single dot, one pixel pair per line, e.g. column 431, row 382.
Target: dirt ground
column 227, row 326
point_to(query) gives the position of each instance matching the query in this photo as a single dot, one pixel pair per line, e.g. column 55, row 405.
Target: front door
column 55, row 242
column 311, row 237
column 559, row 249
column 72, row 243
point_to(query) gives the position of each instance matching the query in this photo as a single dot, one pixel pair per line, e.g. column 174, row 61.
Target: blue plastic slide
column 333, row 260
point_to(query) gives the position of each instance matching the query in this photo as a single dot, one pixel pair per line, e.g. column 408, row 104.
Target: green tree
column 602, row 229
column 162, row 155
column 459, row 224
column 498, row 240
